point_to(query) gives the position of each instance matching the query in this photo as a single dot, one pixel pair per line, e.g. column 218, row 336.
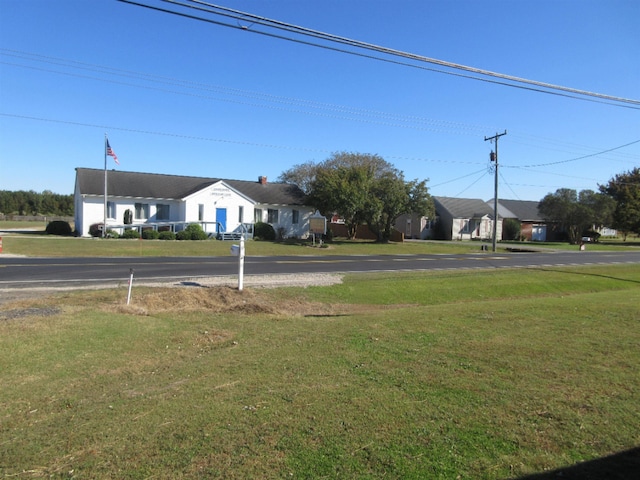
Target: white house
column 466, row 219
column 221, row 207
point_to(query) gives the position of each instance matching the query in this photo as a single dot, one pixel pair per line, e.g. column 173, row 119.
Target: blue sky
column 179, row 96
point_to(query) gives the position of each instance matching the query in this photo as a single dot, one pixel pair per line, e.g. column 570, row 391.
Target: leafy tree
column 361, row 188
column 301, row 175
column 624, row 189
column 599, row 207
column 343, row 190
column 390, row 197
column 576, row 213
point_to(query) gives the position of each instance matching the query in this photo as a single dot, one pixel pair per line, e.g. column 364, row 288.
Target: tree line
column 615, row 205
column 47, row 203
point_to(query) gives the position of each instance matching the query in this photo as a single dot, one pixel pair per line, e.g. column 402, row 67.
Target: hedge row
column 192, row 232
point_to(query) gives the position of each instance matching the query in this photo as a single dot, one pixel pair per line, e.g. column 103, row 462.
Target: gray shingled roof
column 464, row 207
column 523, row 210
column 152, row 185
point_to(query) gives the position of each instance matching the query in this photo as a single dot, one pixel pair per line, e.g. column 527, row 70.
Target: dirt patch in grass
column 185, row 299
column 15, row 313
column 148, row 301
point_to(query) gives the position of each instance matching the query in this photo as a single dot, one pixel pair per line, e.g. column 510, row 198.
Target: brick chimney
column 262, row 180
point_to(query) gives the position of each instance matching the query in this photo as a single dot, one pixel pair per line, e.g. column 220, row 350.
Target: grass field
column 42, row 245
column 50, row 246
column 475, row 375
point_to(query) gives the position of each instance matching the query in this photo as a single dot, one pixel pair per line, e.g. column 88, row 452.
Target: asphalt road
column 26, row 273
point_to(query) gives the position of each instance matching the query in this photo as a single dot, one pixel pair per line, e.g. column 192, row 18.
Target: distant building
column 465, row 219
column 533, row 226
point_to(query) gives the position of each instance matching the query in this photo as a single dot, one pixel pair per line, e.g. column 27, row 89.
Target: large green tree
column 391, row 197
column 361, row 188
column 342, row 190
column 625, row 190
column 576, row 213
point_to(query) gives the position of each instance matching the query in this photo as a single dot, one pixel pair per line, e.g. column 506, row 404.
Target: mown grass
column 38, row 244
column 430, row 375
column 51, row 246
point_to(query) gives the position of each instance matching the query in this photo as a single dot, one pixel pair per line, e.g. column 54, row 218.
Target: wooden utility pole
column 494, row 158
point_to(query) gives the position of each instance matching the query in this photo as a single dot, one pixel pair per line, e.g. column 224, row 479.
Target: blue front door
column 221, row 219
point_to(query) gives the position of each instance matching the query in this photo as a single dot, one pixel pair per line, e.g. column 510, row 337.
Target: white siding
column 89, row 210
column 214, row 197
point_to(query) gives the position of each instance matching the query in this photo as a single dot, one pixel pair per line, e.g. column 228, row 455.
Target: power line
column 210, row 139
column 578, row 158
column 342, row 112
column 516, row 82
column 370, row 116
column 151, row 132
column 483, row 171
column 470, row 185
column 104, row 127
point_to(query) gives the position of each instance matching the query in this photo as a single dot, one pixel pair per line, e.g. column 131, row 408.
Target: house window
column 257, row 215
column 272, row 215
column 200, row 212
column 465, row 226
column 162, row 212
column 295, row 217
column 240, row 214
column 111, row 210
column 142, row 211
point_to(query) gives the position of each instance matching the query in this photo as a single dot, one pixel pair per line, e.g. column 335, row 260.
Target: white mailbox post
column 238, row 251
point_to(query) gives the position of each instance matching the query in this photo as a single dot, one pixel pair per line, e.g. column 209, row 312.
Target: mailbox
column 235, row 250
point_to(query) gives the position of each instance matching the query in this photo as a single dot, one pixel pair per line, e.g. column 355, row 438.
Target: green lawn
column 42, row 245
column 483, row 375
column 38, row 244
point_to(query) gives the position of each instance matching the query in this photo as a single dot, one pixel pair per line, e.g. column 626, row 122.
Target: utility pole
column 494, row 158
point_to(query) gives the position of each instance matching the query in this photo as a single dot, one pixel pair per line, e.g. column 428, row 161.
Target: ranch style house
column 225, row 209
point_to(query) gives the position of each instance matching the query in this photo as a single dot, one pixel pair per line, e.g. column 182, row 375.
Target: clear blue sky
column 179, row 96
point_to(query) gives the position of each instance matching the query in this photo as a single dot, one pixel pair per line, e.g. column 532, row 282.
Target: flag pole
column 104, row 222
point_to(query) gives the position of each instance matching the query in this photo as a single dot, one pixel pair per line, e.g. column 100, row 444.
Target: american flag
column 111, row 153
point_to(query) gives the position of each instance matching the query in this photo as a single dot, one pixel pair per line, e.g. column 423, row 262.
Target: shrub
column 112, row 234
column 130, row 233
column 193, row 231
column 95, row 230
column 150, row 234
column 264, row 231
column 511, row 229
column 167, row 235
column 58, row 227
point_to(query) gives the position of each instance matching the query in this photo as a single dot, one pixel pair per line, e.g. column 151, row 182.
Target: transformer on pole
column 493, row 156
